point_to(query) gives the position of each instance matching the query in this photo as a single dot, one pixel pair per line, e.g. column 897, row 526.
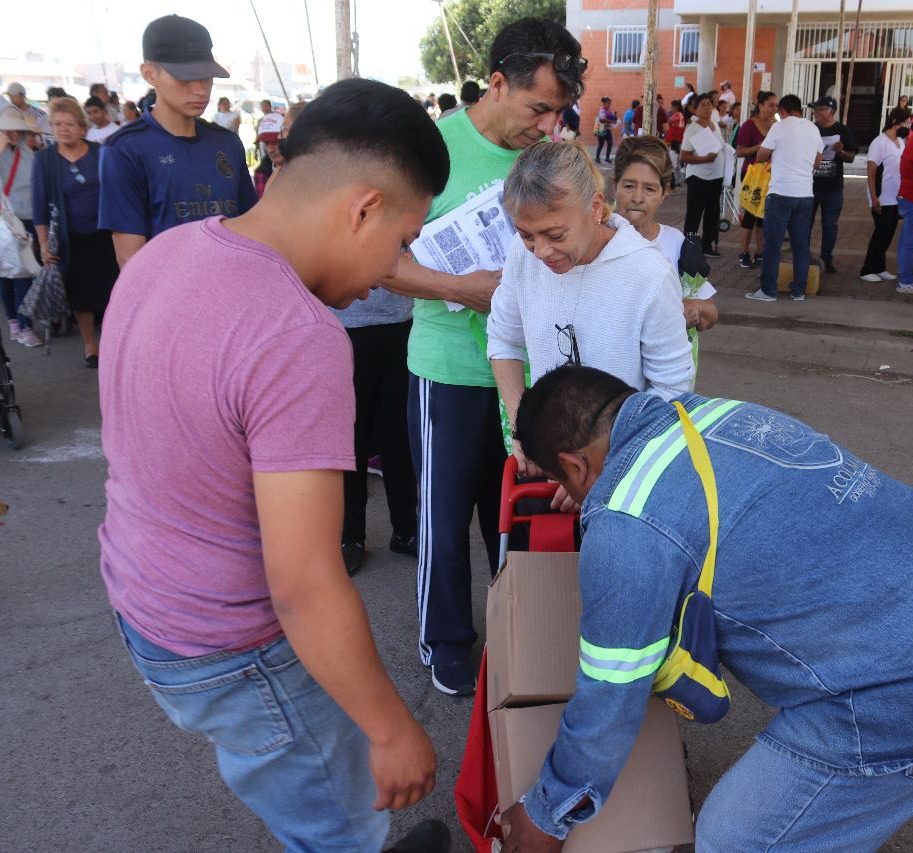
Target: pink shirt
column 216, row 362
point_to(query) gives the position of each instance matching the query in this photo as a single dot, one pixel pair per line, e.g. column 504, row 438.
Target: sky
column 111, row 31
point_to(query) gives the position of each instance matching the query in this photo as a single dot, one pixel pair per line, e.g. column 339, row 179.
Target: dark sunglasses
column 567, row 344
column 561, row 62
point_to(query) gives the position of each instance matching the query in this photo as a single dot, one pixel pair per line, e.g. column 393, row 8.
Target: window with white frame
column 687, row 44
column 626, row 45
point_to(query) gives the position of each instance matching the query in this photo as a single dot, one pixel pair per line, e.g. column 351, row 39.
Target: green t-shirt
column 449, row 346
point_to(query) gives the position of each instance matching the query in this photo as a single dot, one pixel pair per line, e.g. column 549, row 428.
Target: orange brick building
column 702, row 42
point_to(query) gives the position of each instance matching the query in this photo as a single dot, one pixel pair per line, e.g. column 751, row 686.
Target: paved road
column 90, row 764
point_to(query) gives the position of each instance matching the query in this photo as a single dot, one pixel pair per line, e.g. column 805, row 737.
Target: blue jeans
column 781, row 214
column 831, row 204
column 772, row 800
column 284, row 747
column 905, row 246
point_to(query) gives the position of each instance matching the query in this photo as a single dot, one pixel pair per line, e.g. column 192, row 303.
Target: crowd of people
column 264, row 340
column 798, row 178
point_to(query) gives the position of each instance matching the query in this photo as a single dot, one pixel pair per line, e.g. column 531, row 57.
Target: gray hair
column 546, row 174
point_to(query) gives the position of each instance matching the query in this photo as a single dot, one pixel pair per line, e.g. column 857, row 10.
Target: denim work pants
column 604, row 140
column 773, row 800
column 905, row 247
column 885, row 226
column 284, row 747
column 781, row 214
column 831, row 204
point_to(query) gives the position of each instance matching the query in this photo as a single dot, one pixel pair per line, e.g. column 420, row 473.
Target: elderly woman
column 581, row 286
column 16, row 160
column 65, row 197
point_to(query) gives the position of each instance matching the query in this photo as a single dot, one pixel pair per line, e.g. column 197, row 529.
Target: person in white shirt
column 226, row 117
column 882, row 185
column 102, row 126
column 703, row 174
column 727, row 94
column 793, row 145
column 581, row 286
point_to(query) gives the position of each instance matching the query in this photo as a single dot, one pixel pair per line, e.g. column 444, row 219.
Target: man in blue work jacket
column 812, row 602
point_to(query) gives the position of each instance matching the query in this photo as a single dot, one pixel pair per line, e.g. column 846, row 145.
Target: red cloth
column 906, row 171
column 552, row 532
column 476, row 790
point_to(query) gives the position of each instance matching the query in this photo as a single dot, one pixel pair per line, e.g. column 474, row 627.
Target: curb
column 834, row 348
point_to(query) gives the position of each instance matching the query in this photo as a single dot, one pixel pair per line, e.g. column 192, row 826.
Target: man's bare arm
column 764, row 154
column 126, row 246
column 473, row 290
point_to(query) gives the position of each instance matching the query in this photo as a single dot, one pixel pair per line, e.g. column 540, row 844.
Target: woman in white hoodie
column 580, row 285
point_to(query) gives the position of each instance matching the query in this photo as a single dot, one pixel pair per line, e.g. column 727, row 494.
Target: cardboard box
column 649, row 807
column 533, row 630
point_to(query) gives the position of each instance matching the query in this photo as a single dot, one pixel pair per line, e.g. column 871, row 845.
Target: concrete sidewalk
column 837, row 333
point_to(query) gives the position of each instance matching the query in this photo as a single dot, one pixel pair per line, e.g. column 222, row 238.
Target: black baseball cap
column 182, row 47
column 826, row 101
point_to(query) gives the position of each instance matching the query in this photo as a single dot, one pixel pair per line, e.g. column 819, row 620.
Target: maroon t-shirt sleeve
column 295, row 402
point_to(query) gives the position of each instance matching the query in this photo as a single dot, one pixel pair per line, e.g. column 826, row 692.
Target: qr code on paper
column 459, row 260
column 447, row 239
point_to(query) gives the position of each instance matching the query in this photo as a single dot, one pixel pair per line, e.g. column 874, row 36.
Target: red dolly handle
column 511, row 492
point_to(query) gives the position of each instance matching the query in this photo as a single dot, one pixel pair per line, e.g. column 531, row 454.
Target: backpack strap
column 12, row 177
column 701, row 461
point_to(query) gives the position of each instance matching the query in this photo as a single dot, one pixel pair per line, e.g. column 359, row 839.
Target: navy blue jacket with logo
column 152, row 180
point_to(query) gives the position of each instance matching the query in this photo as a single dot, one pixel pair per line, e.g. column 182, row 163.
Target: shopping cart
column 526, row 522
column 729, row 203
column 10, row 416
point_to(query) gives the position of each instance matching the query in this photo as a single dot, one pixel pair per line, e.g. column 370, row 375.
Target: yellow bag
column 754, row 189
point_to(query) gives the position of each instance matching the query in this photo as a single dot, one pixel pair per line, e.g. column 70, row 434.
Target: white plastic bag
column 16, row 257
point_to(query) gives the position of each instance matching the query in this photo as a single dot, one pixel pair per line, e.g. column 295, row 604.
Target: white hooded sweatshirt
column 625, row 307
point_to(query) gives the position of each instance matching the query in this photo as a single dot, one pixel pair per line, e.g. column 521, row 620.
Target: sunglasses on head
column 561, row 62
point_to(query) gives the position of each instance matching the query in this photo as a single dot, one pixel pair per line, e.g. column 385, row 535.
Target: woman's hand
column 525, row 468
column 47, row 257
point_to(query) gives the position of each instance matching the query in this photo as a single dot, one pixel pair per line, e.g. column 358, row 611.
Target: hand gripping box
column 649, row 806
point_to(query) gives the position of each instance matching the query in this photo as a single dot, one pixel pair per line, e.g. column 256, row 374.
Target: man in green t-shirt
column 454, row 423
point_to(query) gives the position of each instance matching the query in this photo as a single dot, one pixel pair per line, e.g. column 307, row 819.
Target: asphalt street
column 90, row 763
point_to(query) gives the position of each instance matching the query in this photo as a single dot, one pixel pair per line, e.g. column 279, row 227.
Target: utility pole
column 838, row 85
column 343, row 40
column 790, row 70
column 456, row 68
column 649, row 125
column 748, row 68
column 853, row 51
column 307, row 18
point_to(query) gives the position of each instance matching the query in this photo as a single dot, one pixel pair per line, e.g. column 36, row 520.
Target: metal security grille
column 687, row 44
column 899, row 82
column 875, row 40
column 626, row 45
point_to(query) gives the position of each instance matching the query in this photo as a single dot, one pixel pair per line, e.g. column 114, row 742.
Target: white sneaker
column 904, row 288
column 760, row 295
column 874, row 277
column 29, row 339
column 887, row 276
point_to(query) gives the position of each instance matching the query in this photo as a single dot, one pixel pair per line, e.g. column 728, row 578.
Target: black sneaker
column 429, row 836
column 712, row 253
column 759, row 258
column 829, row 266
column 455, row 678
column 745, row 261
column 352, row 555
column 404, row 545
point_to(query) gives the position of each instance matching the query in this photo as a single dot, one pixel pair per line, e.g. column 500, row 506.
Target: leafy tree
column 480, row 20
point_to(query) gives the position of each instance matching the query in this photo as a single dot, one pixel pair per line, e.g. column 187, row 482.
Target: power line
column 307, row 17
column 466, row 38
column 269, row 50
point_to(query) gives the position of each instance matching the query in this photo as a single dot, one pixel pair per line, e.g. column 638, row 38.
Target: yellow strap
column 701, row 461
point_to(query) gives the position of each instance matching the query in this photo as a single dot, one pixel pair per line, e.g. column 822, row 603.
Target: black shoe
column 91, row 361
column 352, row 555
column 745, row 261
column 711, row 253
column 829, row 266
column 758, row 259
column 429, row 836
column 404, row 545
column 455, row 678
